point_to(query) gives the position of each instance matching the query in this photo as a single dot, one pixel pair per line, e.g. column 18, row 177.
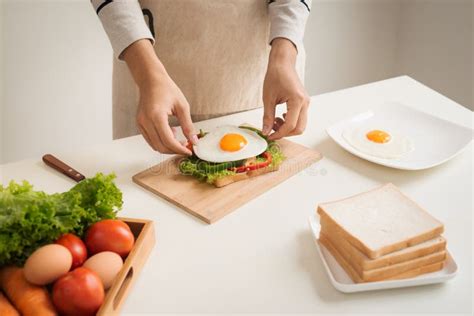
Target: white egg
column 396, row 147
column 229, row 143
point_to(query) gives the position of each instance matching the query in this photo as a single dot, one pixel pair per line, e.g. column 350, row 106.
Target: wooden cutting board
column 210, row 203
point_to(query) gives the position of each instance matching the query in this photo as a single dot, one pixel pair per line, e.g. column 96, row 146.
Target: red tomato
column 78, row 293
column 109, row 235
column 76, row 247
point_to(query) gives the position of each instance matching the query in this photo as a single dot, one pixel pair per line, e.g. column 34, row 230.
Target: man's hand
column 160, row 97
column 283, row 85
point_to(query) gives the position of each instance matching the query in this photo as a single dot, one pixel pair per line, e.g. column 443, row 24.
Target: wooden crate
column 115, row 296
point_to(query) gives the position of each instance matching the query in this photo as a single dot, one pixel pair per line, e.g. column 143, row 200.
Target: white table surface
column 262, row 258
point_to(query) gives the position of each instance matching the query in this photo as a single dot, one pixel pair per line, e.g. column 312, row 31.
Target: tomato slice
column 268, row 160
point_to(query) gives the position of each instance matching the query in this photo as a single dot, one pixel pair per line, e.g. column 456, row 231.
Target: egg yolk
column 378, row 136
column 232, row 142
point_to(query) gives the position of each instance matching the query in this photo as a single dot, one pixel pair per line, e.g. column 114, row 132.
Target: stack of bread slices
column 382, row 235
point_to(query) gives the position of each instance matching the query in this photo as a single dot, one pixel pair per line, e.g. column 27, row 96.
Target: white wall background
column 57, row 85
column 57, row 62
column 350, row 43
column 435, row 46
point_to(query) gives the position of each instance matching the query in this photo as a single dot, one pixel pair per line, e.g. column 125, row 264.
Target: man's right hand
column 157, row 102
column 160, row 98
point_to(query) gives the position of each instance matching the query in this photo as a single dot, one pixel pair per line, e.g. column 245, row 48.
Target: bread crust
column 243, row 176
column 358, row 279
column 361, row 262
column 391, row 270
column 419, row 271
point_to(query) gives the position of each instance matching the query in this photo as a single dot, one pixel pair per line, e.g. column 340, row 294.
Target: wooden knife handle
column 60, row 166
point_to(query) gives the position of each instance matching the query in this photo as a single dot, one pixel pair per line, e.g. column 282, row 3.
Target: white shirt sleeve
column 288, row 19
column 124, row 23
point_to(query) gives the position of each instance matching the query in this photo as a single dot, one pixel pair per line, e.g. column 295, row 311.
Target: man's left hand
column 281, row 85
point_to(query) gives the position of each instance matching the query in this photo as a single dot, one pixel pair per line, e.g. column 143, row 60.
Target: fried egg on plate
column 377, row 142
column 229, row 143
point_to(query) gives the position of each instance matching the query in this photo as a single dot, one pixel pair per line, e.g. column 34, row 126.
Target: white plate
column 341, row 281
column 436, row 140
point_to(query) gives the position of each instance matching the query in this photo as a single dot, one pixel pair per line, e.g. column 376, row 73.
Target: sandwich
column 229, row 154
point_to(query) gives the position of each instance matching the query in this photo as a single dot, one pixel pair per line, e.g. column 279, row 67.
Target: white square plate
column 342, row 282
column 436, row 140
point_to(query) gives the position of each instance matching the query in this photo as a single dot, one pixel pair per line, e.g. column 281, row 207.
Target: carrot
column 6, row 308
column 29, row 299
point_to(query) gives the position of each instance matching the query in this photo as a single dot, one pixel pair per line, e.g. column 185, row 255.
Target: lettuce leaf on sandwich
column 210, row 172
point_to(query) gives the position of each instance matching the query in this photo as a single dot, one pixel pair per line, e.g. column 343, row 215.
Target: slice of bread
column 381, row 221
column 243, row 176
column 419, row 271
column 356, row 277
column 361, row 262
column 391, row 270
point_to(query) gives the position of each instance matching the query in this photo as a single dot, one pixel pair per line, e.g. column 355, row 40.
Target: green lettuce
column 30, row 219
column 277, row 155
column 212, row 177
column 189, row 166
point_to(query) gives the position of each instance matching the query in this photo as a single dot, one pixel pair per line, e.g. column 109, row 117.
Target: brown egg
column 47, row 264
column 106, row 264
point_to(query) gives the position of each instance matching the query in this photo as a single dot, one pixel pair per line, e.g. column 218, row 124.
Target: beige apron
column 215, row 51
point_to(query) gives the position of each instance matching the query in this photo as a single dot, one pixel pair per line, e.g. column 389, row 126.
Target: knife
column 62, row 167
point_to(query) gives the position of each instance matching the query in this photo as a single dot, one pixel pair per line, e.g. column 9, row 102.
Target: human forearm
column 159, row 98
column 144, row 65
column 283, row 51
column 282, row 85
